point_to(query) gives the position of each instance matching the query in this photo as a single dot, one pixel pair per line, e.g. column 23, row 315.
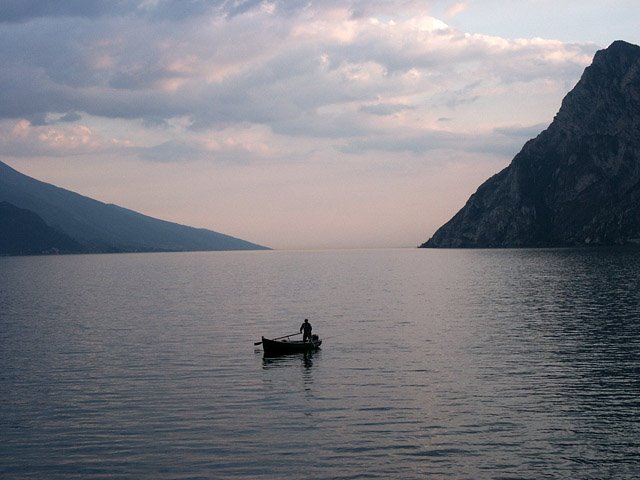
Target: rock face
column 578, row 182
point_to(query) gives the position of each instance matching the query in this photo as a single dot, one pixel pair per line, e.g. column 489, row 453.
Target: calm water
column 435, row 364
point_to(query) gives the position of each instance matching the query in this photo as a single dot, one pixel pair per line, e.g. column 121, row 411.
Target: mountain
column 578, row 182
column 101, row 227
column 22, row 232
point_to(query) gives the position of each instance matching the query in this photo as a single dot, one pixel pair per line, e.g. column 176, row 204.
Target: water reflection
column 270, row 361
column 290, row 374
column 564, row 350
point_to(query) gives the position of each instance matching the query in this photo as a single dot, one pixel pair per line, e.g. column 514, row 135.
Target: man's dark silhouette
column 306, row 328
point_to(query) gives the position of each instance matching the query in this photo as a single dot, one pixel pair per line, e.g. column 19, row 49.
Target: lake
column 447, row 364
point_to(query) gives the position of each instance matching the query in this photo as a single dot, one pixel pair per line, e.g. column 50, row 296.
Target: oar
column 278, row 338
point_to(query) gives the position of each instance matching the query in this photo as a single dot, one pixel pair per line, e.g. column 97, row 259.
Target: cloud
column 421, row 143
column 237, row 147
column 456, row 8
column 333, row 71
column 12, row 11
column 24, row 10
column 22, row 138
column 520, row 132
column 70, row 117
column 384, row 109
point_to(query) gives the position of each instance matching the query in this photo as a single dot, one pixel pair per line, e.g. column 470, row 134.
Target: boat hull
column 277, row 347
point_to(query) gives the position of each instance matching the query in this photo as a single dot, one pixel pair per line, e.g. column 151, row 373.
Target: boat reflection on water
column 270, row 361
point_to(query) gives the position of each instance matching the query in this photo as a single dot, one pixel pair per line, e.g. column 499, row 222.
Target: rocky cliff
column 578, row 182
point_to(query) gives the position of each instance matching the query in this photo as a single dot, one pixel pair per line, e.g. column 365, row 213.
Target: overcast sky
column 293, row 124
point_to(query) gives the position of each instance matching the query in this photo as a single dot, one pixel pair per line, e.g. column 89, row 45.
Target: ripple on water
column 444, row 364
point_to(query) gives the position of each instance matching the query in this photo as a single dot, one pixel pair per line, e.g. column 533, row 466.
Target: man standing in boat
column 306, row 328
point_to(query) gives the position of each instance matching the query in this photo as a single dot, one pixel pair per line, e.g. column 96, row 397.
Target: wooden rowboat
column 283, row 347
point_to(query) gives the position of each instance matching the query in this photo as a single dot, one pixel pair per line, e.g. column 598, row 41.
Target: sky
column 292, row 124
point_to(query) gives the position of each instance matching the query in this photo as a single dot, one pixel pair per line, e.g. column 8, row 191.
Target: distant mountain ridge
column 578, row 182
column 22, row 232
column 101, row 227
